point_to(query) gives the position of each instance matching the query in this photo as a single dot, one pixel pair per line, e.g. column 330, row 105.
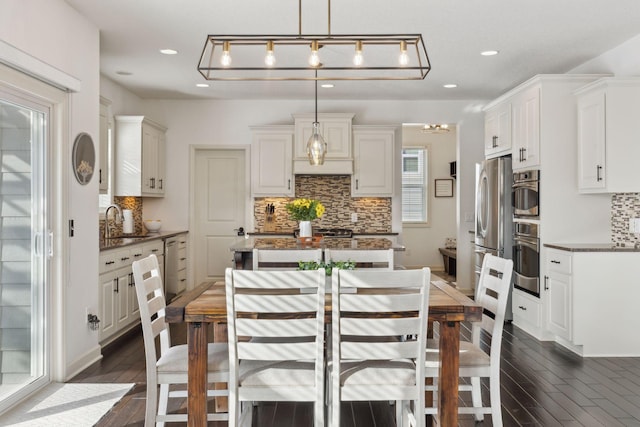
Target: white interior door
column 219, row 191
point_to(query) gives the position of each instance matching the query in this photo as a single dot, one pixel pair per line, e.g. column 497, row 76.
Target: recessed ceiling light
column 489, row 53
column 202, row 85
column 327, row 85
column 450, row 85
column 168, row 51
column 123, row 73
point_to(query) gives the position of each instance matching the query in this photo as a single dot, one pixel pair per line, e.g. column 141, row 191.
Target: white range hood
column 330, row 167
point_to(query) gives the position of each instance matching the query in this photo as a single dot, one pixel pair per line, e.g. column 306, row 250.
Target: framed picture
column 444, row 187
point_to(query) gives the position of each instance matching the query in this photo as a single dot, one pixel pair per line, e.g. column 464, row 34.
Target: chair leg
column 335, row 405
column 496, row 405
column 399, row 413
column 476, row 397
column 152, row 404
column 163, row 402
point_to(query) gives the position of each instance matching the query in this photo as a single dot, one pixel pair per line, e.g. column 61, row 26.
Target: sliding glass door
column 24, row 243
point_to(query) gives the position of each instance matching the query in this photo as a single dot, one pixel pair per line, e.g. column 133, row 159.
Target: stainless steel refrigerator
column 494, row 214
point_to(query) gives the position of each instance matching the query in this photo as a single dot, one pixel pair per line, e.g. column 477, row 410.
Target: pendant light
column 316, row 146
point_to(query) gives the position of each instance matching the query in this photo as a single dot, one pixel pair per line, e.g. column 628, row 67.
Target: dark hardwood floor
column 543, row 384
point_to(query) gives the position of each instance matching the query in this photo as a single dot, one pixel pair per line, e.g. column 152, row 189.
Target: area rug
column 66, row 405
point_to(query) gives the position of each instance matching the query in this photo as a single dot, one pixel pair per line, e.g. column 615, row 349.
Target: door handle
column 495, row 141
column 598, row 169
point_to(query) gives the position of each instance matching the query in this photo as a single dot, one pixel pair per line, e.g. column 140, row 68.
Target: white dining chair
column 477, row 358
column 276, row 340
column 379, row 259
column 171, row 367
column 371, row 358
column 283, row 259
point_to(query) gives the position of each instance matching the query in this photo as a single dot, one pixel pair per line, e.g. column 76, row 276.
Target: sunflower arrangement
column 305, row 209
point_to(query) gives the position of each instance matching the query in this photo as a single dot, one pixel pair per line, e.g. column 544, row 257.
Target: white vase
column 305, row 229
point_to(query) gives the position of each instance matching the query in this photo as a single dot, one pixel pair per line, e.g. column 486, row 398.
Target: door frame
column 58, row 159
column 195, row 149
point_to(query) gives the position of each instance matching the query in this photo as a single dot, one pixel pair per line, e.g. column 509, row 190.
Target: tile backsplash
column 334, row 191
column 623, row 207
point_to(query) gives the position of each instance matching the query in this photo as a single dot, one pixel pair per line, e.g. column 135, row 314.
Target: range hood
column 330, row 167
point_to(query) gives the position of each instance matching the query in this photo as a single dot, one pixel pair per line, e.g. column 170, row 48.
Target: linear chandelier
column 314, row 57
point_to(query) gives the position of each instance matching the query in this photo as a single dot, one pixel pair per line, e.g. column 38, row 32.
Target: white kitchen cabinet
column 374, row 153
column 336, row 129
column 593, row 298
column 103, row 170
column 608, row 145
column 526, row 128
column 557, row 284
column 272, row 161
column 497, row 130
column 527, row 313
column 182, row 263
column 119, row 309
column 139, row 157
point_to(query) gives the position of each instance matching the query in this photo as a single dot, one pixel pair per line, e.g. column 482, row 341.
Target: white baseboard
column 83, row 362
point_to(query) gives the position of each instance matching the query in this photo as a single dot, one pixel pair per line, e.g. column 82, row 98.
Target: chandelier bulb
column 226, row 57
column 358, row 59
column 404, row 58
column 314, row 58
column 270, row 59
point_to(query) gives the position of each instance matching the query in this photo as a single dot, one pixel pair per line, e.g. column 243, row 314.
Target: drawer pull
column 553, row 261
column 522, row 308
column 124, row 258
column 182, row 259
column 109, row 262
column 155, row 250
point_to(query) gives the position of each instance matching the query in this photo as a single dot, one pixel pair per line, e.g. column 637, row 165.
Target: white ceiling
column 533, row 37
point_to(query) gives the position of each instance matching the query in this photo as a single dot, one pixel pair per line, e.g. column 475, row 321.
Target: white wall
column 422, row 242
column 622, row 60
column 55, row 35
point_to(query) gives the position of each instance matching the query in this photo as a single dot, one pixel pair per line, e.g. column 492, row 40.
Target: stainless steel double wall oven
column 526, row 236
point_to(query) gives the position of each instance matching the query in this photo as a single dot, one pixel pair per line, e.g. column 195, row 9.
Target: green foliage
column 328, row 267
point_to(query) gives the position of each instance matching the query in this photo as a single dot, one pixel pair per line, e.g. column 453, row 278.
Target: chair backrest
column 146, row 273
column 492, row 294
column 379, row 259
column 269, row 319
column 283, row 259
column 366, row 324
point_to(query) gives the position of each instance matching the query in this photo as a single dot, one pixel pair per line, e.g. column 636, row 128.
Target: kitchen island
column 243, row 248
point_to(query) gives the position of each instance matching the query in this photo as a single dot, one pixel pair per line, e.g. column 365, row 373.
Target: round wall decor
column 84, row 158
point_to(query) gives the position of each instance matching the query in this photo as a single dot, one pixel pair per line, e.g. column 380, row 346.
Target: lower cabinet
column 119, row 309
column 591, row 299
column 527, row 311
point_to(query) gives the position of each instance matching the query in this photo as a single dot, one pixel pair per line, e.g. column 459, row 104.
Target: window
column 414, row 185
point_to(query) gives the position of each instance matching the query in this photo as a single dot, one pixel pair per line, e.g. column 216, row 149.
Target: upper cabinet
column 104, row 172
column 140, row 157
column 608, row 142
column 335, row 128
column 497, row 130
column 526, row 128
column 271, row 161
column 373, row 148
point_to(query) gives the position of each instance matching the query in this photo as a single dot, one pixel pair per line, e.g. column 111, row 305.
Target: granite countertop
column 365, row 243
column 139, row 238
column 591, row 247
column 290, row 233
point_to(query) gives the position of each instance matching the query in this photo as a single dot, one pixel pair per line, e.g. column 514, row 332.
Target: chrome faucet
column 107, row 234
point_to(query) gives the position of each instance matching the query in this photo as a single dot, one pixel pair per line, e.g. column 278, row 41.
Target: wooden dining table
column 206, row 304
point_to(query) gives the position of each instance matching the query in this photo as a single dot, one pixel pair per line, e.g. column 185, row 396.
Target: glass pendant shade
column 316, row 146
